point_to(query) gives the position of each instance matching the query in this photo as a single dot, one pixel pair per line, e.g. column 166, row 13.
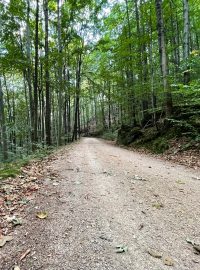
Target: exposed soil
column 106, row 196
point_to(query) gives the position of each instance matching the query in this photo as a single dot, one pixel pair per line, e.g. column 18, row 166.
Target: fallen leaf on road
column 168, row 261
column 158, row 205
column 42, row 215
column 195, row 245
column 180, row 182
column 121, row 249
column 4, row 239
column 155, row 254
column 137, row 177
column 190, row 241
column 15, row 221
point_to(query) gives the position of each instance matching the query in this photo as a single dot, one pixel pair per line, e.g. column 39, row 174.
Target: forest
column 99, row 134
column 73, row 68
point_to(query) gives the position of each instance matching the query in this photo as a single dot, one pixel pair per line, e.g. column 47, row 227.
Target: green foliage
column 159, row 145
column 41, row 152
column 9, row 170
column 12, row 168
column 109, row 135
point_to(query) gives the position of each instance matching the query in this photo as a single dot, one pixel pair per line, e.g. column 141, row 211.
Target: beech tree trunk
column 174, row 38
column 47, row 81
column 60, row 86
column 186, row 40
column 77, row 100
column 163, row 58
column 29, row 72
column 35, row 138
column 129, row 71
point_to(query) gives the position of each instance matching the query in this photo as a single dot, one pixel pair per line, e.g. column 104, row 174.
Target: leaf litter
column 17, row 193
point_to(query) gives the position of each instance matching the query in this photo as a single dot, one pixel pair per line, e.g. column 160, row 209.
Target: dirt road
column 107, row 196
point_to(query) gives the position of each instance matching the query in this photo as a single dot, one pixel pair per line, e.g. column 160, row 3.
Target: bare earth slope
column 106, row 196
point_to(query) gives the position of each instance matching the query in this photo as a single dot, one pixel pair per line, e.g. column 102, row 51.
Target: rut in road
column 107, row 196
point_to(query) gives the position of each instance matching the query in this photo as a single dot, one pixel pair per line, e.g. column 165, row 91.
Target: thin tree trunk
column 28, row 73
column 130, row 76
column 3, row 125
column 163, row 58
column 153, row 97
column 78, row 82
column 109, row 106
column 186, row 39
column 59, row 75
column 174, row 38
column 47, row 79
column 36, row 74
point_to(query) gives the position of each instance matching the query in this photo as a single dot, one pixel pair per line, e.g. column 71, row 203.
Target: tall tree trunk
column 36, row 73
column 47, row 80
column 60, row 105
column 3, row 125
column 153, row 96
column 186, row 39
column 28, row 73
column 77, row 100
column 109, row 105
column 175, row 38
column 69, row 99
column 163, row 58
column 130, row 75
